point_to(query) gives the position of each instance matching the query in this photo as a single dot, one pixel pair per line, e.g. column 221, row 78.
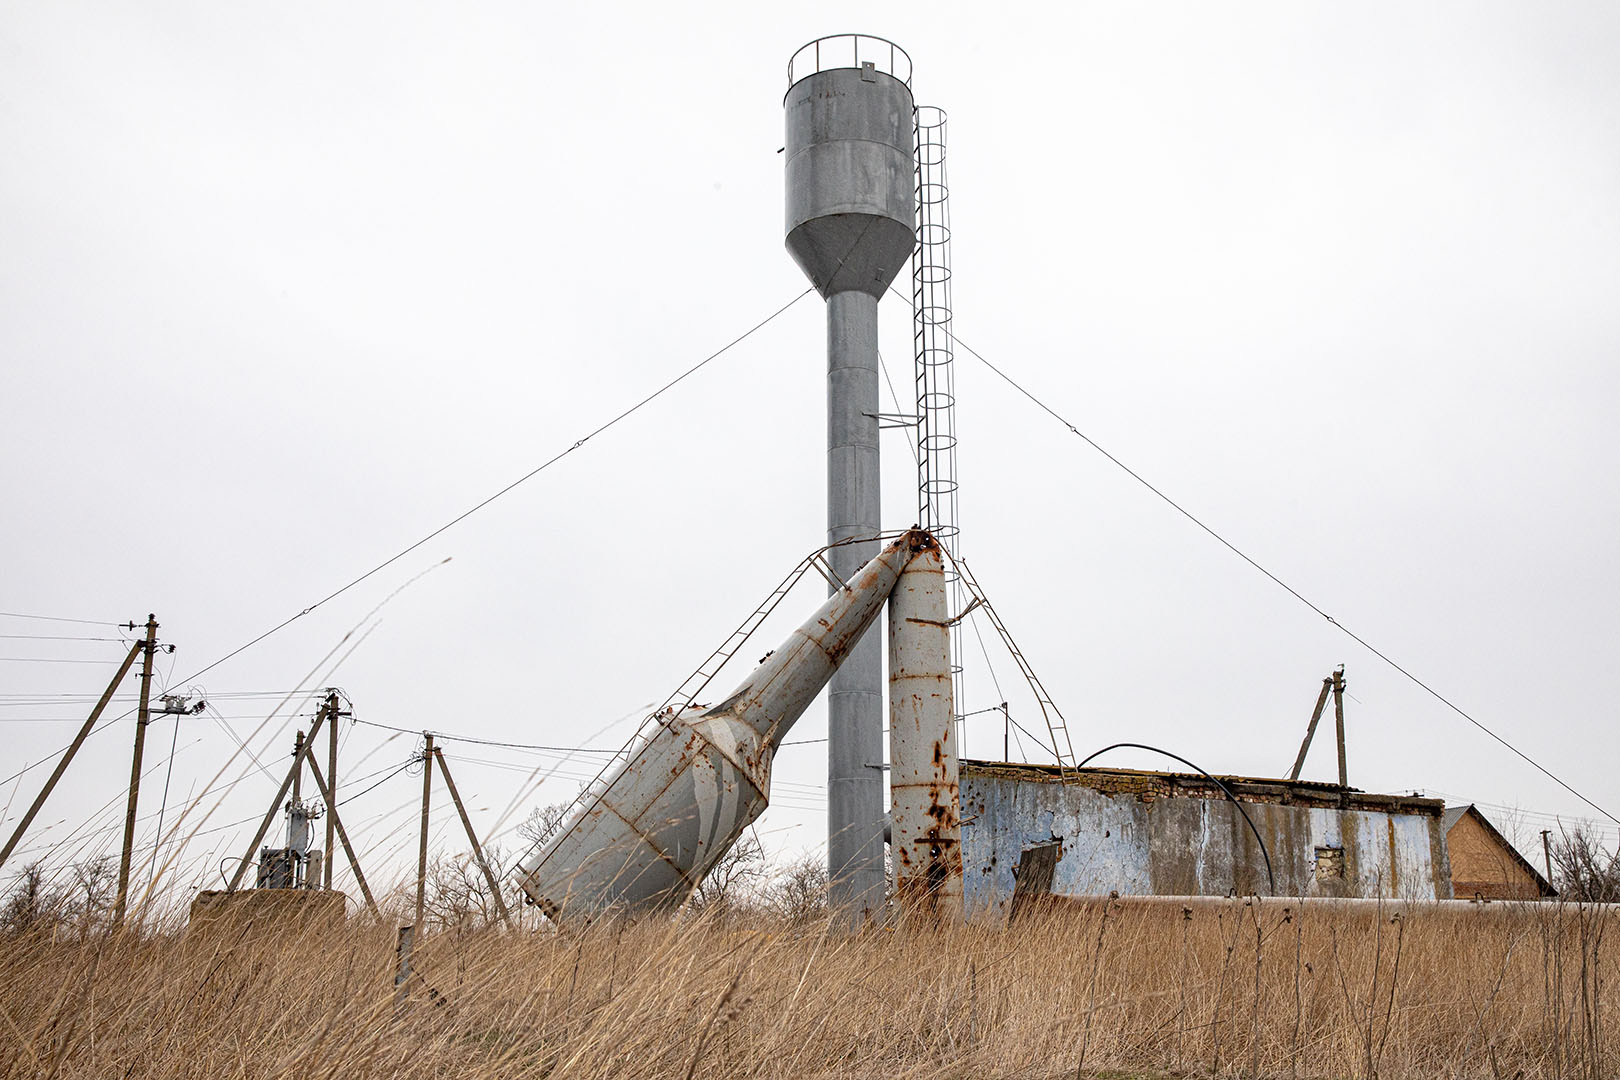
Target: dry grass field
column 1089, row 989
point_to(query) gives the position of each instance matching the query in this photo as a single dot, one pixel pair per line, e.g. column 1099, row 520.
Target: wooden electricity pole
column 143, row 717
column 298, row 767
column 343, row 836
column 1310, row 732
column 421, row 851
column 472, row 838
column 73, row 748
column 308, row 758
column 249, row 857
column 1338, row 722
column 332, row 779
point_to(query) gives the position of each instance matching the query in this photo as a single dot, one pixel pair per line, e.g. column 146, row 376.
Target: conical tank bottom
column 845, row 252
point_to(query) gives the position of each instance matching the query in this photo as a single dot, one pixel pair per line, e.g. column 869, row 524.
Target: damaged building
column 1097, row 831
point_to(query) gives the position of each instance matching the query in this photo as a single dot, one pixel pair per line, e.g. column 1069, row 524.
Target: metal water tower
column 851, row 228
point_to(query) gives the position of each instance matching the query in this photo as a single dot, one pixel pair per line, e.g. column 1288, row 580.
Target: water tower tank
column 850, row 164
column 850, row 227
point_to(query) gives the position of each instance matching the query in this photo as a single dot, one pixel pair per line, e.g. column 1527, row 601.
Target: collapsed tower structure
column 651, row 826
column 657, row 820
column 851, row 227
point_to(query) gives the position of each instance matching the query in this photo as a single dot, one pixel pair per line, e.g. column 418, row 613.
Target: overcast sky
column 284, row 288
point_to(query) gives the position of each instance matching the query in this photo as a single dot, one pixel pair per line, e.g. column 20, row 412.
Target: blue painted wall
column 1186, row 845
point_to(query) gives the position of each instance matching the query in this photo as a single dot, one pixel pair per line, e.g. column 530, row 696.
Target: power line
column 156, row 714
column 1454, row 799
column 77, row 698
column 464, row 515
column 451, row 737
column 399, row 769
column 57, row 618
column 1184, row 512
column 118, row 826
column 50, row 660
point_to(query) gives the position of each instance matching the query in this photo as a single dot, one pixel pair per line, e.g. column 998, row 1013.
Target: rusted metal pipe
column 924, row 804
column 1338, row 904
column 665, row 816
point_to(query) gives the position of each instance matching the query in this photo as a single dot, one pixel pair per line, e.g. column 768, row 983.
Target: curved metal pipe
column 1270, row 877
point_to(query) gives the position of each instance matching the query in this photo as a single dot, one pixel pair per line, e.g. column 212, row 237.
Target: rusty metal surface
column 1140, row 833
column 924, row 815
column 701, row 775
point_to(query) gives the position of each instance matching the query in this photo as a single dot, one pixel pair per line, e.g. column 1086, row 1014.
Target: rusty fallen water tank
column 646, row 834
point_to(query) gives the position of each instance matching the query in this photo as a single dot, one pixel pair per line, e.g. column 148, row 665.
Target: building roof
column 1455, row 814
column 1150, row 784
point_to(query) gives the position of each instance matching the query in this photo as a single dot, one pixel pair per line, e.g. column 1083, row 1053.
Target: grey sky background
column 283, row 289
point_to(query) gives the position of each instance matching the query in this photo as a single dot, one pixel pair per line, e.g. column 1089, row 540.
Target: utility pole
column 141, row 719
column 343, row 837
column 472, row 838
column 334, row 713
column 1310, row 731
column 1338, row 722
column 298, row 767
column 331, row 804
column 73, row 748
column 250, row 856
column 1546, row 851
column 421, row 851
column 1006, row 733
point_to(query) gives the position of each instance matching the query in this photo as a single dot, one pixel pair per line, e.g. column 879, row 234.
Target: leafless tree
column 455, row 894
column 797, row 893
column 541, row 823
column 733, row 881
column 34, row 903
column 1583, row 869
column 94, row 885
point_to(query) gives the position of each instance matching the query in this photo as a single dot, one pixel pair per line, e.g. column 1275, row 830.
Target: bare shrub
column 34, row 903
column 541, row 822
column 39, row 900
column 1583, row 869
column 731, row 885
column 456, row 896
column 797, row 893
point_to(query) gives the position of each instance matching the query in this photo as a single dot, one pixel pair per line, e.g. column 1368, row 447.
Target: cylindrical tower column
column 850, row 227
column 854, row 696
column 925, row 833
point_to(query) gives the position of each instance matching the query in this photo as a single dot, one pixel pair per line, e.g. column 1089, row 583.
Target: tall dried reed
column 1254, row 988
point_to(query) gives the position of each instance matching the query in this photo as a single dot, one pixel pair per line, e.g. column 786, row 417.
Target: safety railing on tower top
column 850, row 51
